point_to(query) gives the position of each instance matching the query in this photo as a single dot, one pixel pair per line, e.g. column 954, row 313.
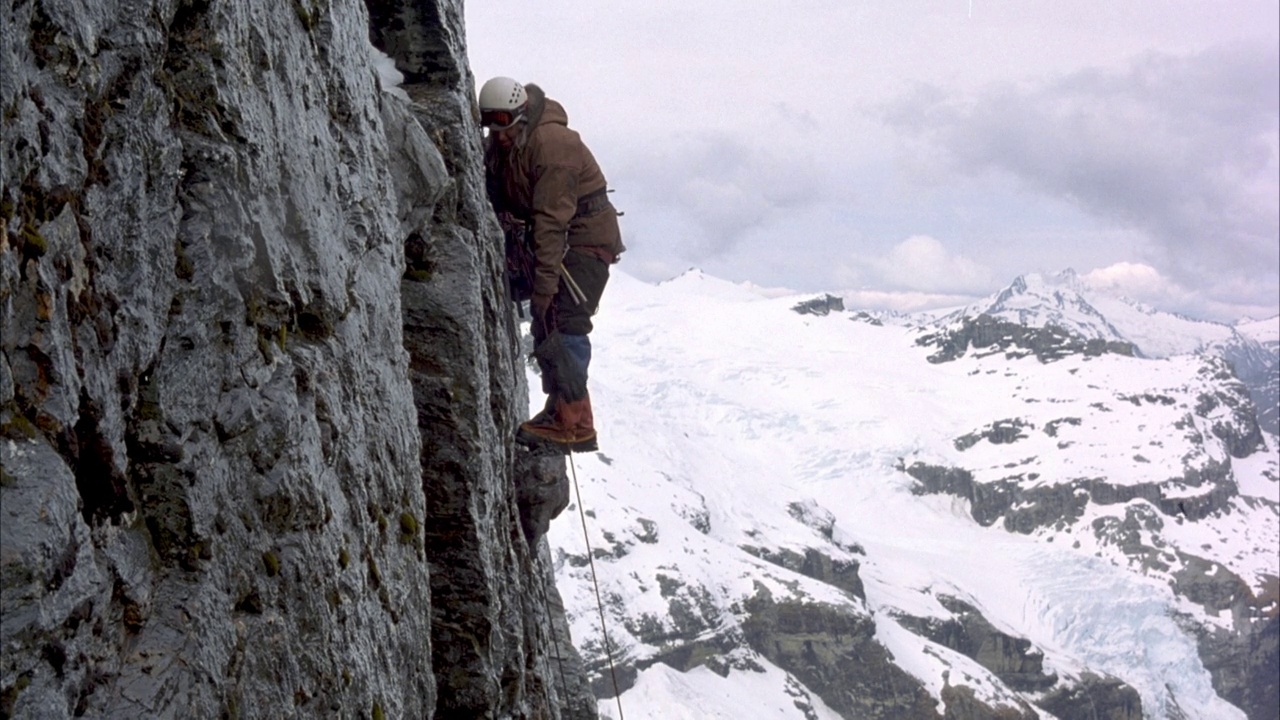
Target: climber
column 542, row 178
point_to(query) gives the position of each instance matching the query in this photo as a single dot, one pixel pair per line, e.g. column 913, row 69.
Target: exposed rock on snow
column 834, row 653
column 820, row 306
column 986, row 335
column 1012, row 659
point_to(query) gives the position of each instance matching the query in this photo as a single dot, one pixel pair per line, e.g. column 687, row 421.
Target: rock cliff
column 260, row 375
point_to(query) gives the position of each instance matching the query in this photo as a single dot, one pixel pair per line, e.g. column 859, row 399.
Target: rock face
column 1245, row 662
column 259, row 375
column 1095, row 697
column 1012, row 659
column 835, row 653
column 1258, row 367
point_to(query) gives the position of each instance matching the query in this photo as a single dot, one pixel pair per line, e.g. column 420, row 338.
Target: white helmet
column 502, row 102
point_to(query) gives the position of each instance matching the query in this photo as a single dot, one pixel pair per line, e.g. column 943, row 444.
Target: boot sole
column 533, row 441
column 528, row 439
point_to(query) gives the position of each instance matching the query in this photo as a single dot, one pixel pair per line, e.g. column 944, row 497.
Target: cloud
column 921, row 263
column 1134, row 280
column 722, row 188
column 1144, row 283
column 1183, row 148
column 1141, row 282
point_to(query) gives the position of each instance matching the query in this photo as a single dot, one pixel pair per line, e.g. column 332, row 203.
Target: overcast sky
column 925, row 152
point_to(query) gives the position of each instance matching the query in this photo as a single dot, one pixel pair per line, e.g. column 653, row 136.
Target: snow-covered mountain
column 1066, row 302
column 1042, row 301
column 816, row 516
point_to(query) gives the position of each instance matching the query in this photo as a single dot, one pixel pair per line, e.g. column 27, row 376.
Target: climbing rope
column 551, row 623
column 604, row 631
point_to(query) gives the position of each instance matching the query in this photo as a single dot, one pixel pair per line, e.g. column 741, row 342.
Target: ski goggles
column 499, row 119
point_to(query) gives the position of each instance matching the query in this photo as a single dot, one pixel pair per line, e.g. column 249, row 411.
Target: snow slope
column 728, row 422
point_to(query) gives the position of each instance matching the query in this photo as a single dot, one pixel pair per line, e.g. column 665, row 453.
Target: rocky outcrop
column 986, row 335
column 1095, row 698
column 1243, row 658
column 1026, row 509
column 833, row 652
column 487, row 626
column 1232, row 414
column 813, row 563
column 259, row 375
column 1258, row 367
column 865, row 317
column 1000, row 432
column 824, row 305
column 1264, row 388
column 1012, row 659
column 962, row 703
column 1020, row 666
column 1243, row 664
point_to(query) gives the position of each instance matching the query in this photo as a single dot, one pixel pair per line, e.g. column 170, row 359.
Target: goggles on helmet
column 499, row 119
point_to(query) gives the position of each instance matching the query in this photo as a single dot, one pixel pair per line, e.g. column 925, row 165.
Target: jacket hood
column 542, row 110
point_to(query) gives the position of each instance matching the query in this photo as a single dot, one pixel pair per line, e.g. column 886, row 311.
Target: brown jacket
column 541, row 179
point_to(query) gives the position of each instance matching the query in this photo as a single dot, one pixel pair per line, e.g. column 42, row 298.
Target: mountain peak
column 1068, row 279
column 1041, row 300
column 1064, row 300
column 695, row 281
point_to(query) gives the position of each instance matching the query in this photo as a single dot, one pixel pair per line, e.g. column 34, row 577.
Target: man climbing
column 541, row 177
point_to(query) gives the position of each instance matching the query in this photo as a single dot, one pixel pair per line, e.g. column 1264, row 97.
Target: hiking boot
column 541, row 429
column 541, row 437
column 579, row 424
column 570, row 427
column 530, row 434
column 586, row 444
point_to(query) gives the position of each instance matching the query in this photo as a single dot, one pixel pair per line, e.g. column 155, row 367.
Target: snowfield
column 733, row 428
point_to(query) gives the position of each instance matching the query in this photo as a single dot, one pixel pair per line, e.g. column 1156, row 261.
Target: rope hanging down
column 604, row 631
column 547, row 573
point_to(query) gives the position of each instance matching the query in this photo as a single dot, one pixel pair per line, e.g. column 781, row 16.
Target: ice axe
column 575, row 292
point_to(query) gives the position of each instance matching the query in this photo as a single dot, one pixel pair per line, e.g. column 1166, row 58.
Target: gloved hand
column 540, row 304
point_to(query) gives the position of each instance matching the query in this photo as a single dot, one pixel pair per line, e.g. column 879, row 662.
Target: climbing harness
column 604, row 631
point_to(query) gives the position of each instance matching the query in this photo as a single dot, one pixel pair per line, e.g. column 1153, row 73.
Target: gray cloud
column 1183, row 148
column 720, row 188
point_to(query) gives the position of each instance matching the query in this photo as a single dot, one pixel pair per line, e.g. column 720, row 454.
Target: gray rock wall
column 255, row 463
column 834, row 653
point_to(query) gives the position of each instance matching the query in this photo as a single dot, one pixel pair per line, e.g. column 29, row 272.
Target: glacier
column 735, row 432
